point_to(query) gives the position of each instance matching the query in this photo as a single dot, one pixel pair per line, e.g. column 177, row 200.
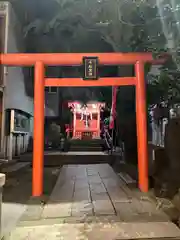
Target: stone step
column 127, row 179
column 55, row 229
column 76, row 158
column 60, row 158
column 86, row 143
column 76, row 148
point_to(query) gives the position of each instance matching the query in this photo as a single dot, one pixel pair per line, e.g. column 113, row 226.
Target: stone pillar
column 2, row 182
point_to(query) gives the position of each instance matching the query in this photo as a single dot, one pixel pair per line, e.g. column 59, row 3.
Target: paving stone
column 34, row 209
column 82, row 204
column 102, row 204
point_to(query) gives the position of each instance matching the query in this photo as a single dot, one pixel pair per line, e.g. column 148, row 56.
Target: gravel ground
column 19, row 187
column 170, row 207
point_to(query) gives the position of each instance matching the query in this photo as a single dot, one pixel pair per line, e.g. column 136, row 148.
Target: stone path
column 92, row 202
column 72, row 153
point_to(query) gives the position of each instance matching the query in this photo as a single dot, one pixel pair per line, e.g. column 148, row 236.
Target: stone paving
column 92, row 202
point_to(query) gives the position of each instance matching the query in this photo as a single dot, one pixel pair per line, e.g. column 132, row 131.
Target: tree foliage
column 125, row 25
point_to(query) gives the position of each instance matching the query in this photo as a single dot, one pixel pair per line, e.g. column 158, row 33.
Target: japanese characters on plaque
column 90, row 68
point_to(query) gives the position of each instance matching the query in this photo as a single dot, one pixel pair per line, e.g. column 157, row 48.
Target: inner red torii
column 39, row 61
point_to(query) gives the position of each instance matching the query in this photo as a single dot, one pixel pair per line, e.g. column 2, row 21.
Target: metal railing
column 108, row 140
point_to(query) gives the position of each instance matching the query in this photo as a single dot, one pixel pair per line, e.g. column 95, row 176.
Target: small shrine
column 86, row 119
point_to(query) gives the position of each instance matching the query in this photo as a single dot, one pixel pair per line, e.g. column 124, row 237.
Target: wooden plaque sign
column 90, row 68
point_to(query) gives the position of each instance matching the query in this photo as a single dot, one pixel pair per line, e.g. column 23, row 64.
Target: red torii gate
column 39, row 61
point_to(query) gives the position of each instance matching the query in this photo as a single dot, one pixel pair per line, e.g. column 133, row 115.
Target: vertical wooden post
column 74, row 124
column 11, row 135
column 99, row 124
column 141, row 122
column 38, row 145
